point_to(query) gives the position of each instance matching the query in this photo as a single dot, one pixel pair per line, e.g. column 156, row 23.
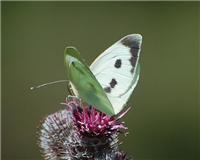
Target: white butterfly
column 111, row 78
column 117, row 70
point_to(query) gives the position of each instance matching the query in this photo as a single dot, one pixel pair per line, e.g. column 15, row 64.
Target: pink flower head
column 78, row 132
column 90, row 121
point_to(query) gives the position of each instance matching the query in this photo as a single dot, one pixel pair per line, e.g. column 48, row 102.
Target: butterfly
column 109, row 81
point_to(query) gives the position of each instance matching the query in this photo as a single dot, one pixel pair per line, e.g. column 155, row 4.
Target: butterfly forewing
column 117, row 70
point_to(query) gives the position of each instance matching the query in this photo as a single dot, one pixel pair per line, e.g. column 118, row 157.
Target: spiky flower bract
column 80, row 132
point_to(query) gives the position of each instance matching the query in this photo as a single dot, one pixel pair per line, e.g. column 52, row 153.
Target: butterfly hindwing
column 83, row 82
column 117, row 70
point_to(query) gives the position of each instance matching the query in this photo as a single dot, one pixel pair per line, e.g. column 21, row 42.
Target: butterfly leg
column 70, row 90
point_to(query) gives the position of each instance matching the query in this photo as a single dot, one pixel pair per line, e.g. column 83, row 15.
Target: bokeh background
column 163, row 121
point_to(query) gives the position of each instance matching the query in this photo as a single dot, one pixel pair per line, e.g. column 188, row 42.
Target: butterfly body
column 111, row 78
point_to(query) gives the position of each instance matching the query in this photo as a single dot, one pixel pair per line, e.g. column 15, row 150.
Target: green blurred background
column 163, row 121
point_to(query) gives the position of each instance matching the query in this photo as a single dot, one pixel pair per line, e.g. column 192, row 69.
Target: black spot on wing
column 132, row 70
column 107, row 89
column 133, row 61
column 132, row 41
column 113, row 83
column 134, row 52
column 118, row 63
column 73, row 63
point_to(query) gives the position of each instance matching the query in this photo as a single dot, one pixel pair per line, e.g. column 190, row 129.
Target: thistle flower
column 80, row 132
column 91, row 122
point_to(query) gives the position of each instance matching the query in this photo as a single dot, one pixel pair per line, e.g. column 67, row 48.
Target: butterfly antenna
column 46, row 84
